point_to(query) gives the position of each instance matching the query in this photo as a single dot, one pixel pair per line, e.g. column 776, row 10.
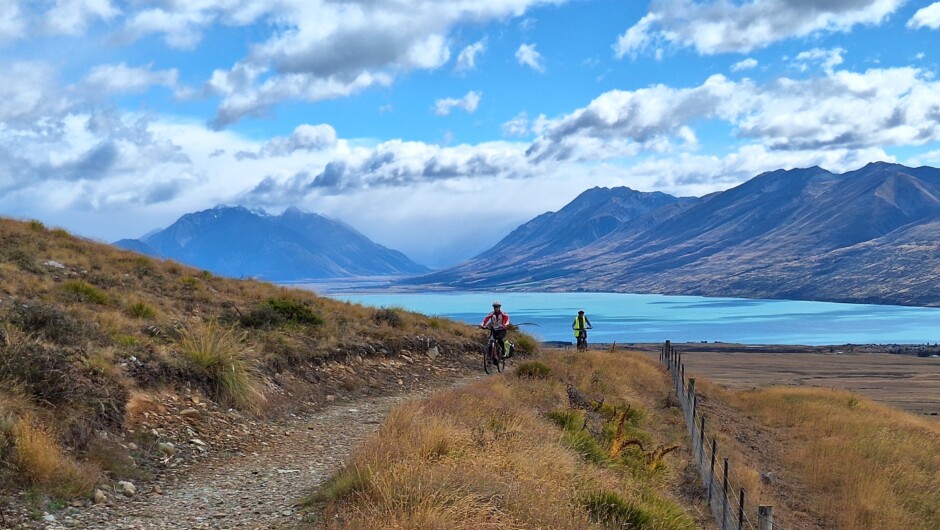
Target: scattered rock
column 167, row 448
column 100, row 497
column 126, row 488
column 768, row 478
column 433, row 352
column 330, row 398
column 49, row 518
column 55, row 264
column 131, row 447
column 190, row 414
column 156, row 490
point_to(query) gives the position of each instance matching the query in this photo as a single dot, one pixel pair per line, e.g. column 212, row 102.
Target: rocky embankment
column 203, row 466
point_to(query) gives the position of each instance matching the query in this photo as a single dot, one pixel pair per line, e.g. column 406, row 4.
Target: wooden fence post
column 724, row 496
column 765, row 518
column 701, row 439
column 711, row 474
column 741, row 511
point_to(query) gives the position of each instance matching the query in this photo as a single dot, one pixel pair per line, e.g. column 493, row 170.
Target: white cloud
column 469, row 103
column 467, row 58
column 828, row 59
column 12, row 23
column 120, row 78
column 718, row 26
column 34, row 96
column 843, row 110
column 73, row 17
column 528, row 56
column 518, row 126
column 746, row 64
column 322, row 49
column 926, row 17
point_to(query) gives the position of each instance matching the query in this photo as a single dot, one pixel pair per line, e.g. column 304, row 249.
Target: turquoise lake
column 626, row 318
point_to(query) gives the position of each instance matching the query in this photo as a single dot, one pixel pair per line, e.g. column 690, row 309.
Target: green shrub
column 50, row 322
column 525, row 344
column 140, row 310
column 613, row 511
column 215, row 354
column 277, row 311
column 205, row 275
column 348, row 480
column 533, row 370
column 391, row 316
column 85, row 292
column 37, row 226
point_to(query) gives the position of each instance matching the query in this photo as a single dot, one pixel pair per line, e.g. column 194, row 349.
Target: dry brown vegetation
column 572, row 441
column 841, row 459
column 83, row 326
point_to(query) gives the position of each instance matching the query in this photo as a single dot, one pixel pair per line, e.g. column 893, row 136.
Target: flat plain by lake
column 906, row 382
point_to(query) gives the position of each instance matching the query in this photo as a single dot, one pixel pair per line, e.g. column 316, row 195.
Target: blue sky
column 435, row 127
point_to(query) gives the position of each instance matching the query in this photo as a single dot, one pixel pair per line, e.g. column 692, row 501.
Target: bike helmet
column 496, row 303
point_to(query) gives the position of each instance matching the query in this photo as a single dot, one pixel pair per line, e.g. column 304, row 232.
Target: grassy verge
column 865, row 465
column 573, row 442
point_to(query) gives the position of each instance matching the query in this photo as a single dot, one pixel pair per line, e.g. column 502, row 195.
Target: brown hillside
column 114, row 366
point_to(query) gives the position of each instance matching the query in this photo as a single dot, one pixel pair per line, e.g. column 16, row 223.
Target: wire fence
column 730, row 505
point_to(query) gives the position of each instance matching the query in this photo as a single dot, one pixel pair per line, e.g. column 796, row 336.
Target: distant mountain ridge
column 296, row 245
column 868, row 236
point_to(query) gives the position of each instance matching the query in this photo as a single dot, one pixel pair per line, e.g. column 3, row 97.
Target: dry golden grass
column 486, row 456
column 869, row 466
column 219, row 352
column 40, row 461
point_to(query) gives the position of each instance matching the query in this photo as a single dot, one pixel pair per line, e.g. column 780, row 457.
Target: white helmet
column 496, row 303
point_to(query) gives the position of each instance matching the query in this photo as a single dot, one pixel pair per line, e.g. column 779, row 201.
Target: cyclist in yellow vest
column 580, row 326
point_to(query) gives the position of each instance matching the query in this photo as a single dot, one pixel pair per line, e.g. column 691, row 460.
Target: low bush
column 533, row 370
column 40, row 462
column 525, row 343
column 278, row 311
column 140, row 310
column 391, row 316
column 611, row 510
column 216, row 355
column 49, row 322
column 85, row 292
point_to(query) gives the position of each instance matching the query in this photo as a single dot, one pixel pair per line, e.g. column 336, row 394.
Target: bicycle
column 494, row 354
column 582, row 340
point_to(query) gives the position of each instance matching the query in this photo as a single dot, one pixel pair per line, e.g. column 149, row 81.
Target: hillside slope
column 863, row 236
column 112, row 363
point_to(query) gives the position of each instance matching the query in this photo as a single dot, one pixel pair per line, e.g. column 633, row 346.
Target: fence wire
column 730, row 505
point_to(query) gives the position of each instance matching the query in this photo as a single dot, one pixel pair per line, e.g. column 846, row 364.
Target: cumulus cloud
column 926, row 17
column 467, row 58
column 304, row 138
column 528, row 56
column 469, row 103
column 73, row 17
column 827, row 59
column 517, row 126
column 35, row 95
column 323, row 49
column 12, row 23
column 843, row 110
column 120, row 78
column 746, row 64
column 718, row 26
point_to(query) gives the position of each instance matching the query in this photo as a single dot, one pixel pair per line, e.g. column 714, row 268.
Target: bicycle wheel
column 500, row 360
column 487, row 357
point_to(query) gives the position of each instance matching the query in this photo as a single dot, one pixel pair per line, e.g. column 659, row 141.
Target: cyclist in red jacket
column 498, row 323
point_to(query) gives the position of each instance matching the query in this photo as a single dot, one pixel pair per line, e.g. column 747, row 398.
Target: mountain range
column 296, row 245
column 867, row 236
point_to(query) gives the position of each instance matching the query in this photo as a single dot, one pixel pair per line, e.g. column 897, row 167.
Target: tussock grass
column 869, row 466
column 85, row 292
column 40, row 462
column 488, row 456
column 218, row 353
